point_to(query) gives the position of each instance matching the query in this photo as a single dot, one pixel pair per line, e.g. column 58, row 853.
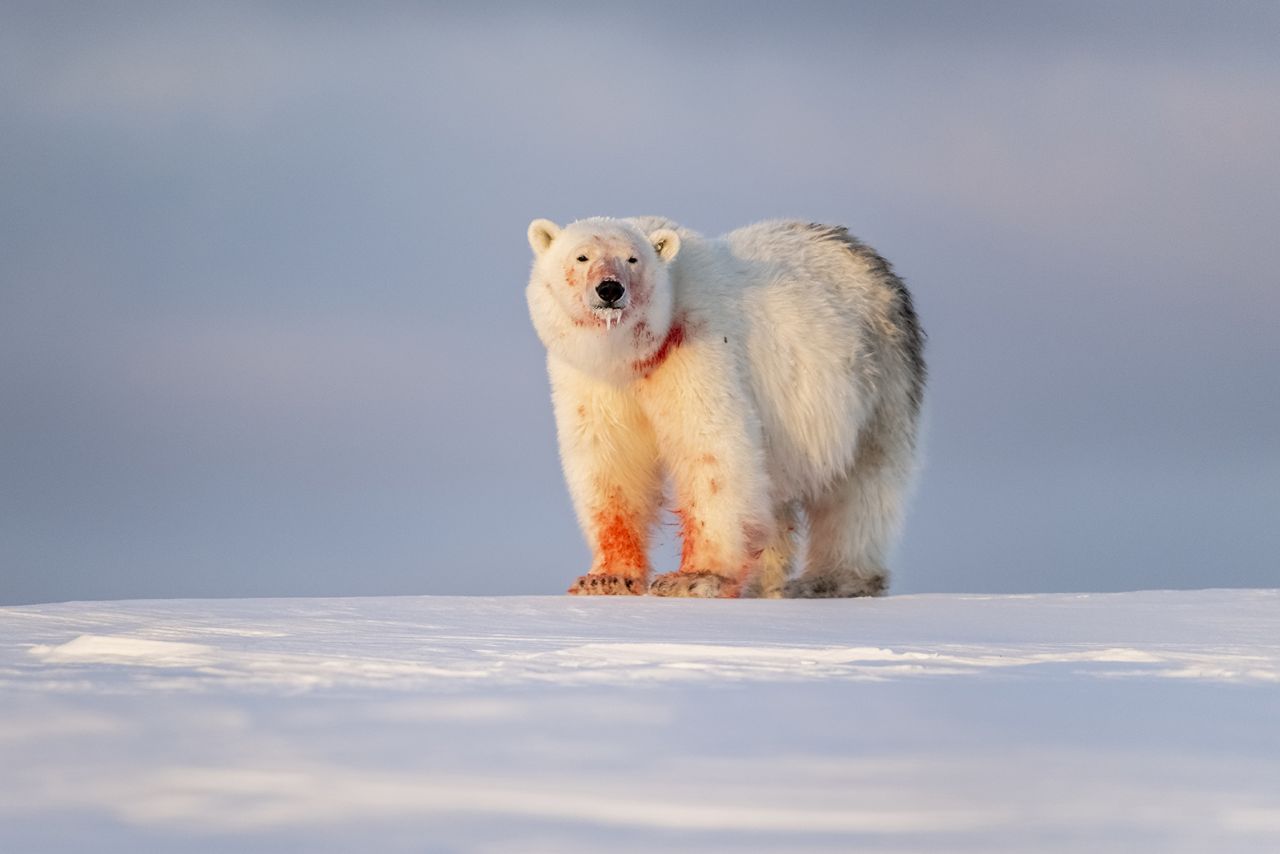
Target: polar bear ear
column 541, row 233
column 665, row 242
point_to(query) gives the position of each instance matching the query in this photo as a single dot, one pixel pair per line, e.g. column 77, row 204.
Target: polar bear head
column 600, row 292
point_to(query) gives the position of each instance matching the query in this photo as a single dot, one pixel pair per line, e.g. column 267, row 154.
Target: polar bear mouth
column 610, row 316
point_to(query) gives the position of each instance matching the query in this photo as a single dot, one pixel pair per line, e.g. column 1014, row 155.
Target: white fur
column 760, row 372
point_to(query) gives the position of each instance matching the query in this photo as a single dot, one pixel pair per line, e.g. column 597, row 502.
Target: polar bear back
column 831, row 346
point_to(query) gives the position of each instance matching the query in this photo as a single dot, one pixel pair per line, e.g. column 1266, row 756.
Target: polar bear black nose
column 609, row 290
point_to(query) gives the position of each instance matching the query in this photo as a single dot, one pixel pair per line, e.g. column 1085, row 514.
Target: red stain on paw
column 621, row 542
column 692, row 549
column 686, row 537
column 697, row 555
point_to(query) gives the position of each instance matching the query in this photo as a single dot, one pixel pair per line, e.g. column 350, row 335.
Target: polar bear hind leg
column 770, row 574
column 852, row 523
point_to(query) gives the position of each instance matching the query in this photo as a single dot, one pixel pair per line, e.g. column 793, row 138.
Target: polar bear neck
column 645, row 366
column 697, row 256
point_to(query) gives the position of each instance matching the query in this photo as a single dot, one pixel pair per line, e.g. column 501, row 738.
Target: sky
column 262, row 323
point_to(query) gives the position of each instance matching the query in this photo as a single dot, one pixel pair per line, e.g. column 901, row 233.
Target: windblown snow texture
column 1142, row 721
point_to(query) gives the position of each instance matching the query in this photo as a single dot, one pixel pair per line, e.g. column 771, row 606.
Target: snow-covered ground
column 1137, row 721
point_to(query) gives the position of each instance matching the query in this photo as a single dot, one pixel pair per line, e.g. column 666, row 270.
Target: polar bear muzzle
column 610, row 291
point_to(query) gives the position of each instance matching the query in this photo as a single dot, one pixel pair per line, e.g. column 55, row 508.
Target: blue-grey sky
column 262, row 326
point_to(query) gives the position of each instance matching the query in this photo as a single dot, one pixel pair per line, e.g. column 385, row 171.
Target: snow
column 1135, row 721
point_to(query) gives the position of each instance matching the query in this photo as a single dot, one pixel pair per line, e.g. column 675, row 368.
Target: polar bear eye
column 582, row 258
column 632, row 260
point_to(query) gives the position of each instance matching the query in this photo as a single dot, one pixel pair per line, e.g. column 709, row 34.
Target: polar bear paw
column 835, row 585
column 703, row 585
column 599, row 584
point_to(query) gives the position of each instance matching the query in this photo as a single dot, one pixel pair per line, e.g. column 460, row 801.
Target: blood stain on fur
column 646, row 366
column 689, row 538
column 622, row 550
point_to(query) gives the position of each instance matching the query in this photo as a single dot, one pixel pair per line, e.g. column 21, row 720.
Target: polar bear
column 772, row 372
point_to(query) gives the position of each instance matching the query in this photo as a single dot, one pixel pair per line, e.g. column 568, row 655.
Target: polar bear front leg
column 724, row 533
column 610, row 462
column 711, row 441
